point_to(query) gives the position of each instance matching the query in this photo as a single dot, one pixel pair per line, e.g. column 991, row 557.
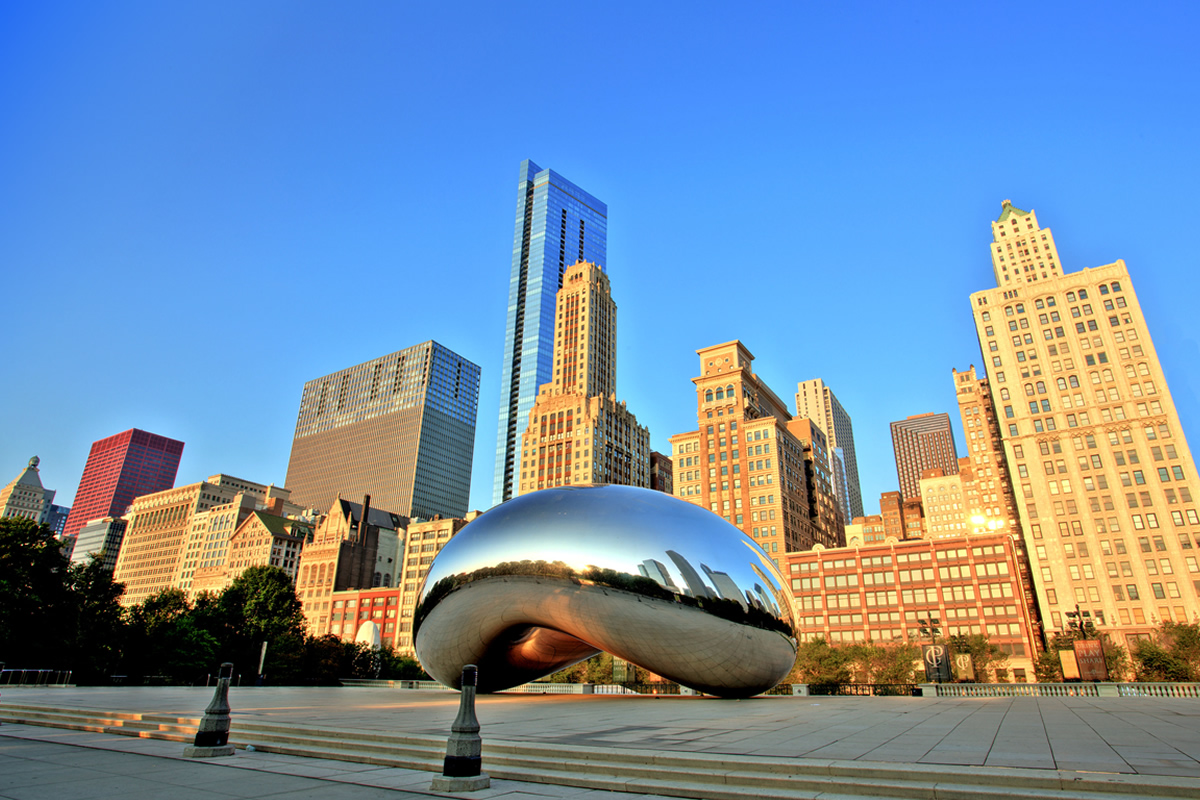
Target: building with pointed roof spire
column 25, row 497
column 1022, row 252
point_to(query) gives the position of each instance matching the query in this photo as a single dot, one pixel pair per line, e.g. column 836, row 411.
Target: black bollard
column 461, row 771
column 212, row 737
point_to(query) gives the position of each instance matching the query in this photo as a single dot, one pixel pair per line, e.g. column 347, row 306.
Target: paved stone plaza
column 1107, row 735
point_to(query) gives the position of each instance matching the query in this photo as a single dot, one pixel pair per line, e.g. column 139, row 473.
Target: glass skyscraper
column 557, row 225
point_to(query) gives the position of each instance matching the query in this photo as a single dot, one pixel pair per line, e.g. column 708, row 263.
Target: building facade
column 817, row 401
column 24, row 497
column 169, row 533
column 880, row 593
column 557, row 225
column 985, row 453
column 921, row 442
column 578, row 432
column 400, row 428
column 355, row 546
column 102, row 539
column 662, row 472
column 1106, row 486
column 742, row 462
column 118, row 469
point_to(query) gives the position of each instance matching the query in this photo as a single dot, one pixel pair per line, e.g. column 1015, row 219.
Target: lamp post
column 1080, row 622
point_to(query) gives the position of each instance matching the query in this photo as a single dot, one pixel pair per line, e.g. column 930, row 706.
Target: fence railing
column 1173, row 690
column 864, row 689
column 35, row 677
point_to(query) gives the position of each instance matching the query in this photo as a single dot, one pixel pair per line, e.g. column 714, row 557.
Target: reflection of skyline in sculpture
column 657, row 571
column 552, row 577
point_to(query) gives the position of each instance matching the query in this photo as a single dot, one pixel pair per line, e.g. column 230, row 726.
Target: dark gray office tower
column 400, row 428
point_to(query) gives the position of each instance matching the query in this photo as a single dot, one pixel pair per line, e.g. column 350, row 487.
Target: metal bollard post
column 212, row 737
column 461, row 770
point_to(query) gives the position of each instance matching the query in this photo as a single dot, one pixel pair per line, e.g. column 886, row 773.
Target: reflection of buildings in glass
column 657, row 572
column 725, row 585
column 695, row 584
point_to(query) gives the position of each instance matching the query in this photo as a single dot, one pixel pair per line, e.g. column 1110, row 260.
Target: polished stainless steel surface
column 553, row 577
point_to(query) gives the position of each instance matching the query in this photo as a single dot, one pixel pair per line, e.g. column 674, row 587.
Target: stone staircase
column 671, row 774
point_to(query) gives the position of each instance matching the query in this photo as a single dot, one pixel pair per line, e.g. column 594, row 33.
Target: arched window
column 1083, row 294
column 1143, row 369
column 1074, row 382
column 1041, row 387
column 1103, row 289
column 376, row 580
column 1108, row 376
column 387, row 579
column 321, row 575
column 1061, row 383
column 729, row 391
column 1004, row 394
column 304, row 574
column 1029, row 390
column 720, row 393
column 708, row 397
column 1116, row 287
column 1095, row 376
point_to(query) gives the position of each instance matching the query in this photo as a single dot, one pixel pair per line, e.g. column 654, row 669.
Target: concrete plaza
column 1142, row 736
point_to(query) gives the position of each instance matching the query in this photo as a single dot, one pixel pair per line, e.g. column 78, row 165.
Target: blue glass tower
column 557, row 224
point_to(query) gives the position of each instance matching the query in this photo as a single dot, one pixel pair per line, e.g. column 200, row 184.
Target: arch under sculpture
column 554, row 577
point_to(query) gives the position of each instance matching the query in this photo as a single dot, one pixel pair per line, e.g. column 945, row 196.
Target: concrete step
column 690, row 775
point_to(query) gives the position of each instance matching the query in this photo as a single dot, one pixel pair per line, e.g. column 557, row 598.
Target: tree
column 166, row 640
column 95, row 630
column 33, row 596
column 817, row 662
column 884, row 663
column 1172, row 655
column 261, row 606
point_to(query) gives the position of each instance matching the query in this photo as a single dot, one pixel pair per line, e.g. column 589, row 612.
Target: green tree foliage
column 817, row 661
column 880, row 663
column 55, row 615
column 1172, row 655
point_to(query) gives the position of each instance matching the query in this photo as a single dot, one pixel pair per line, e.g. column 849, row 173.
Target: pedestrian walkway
column 932, row 740
column 49, row 764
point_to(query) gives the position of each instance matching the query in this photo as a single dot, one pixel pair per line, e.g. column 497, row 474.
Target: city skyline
column 130, row 213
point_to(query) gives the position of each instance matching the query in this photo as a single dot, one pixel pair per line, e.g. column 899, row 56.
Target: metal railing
column 35, row 677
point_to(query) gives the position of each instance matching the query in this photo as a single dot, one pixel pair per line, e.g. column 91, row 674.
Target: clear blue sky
column 203, row 205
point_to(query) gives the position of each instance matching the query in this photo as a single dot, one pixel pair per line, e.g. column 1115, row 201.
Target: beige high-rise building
column 743, row 463
column 355, row 546
column 170, row 533
column 985, row 453
column 578, row 432
column 1106, row 486
column 25, row 497
column 944, row 504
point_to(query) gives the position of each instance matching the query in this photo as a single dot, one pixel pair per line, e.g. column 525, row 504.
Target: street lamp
column 929, row 628
column 1080, row 622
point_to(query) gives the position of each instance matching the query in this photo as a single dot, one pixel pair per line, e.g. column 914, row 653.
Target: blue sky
column 203, row 205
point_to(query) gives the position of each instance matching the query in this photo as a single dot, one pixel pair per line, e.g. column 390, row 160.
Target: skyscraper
column 400, row 428
column 557, row 224
column 748, row 461
column 817, row 401
column 1106, row 487
column 120, row 468
column 24, row 497
column 921, row 442
column 578, row 432
column 985, row 450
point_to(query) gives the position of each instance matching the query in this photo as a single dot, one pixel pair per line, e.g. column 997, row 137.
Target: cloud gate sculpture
column 556, row 576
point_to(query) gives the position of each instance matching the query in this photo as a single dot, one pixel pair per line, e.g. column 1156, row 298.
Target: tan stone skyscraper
column 985, row 451
column 746, row 462
column 578, row 433
column 1106, row 487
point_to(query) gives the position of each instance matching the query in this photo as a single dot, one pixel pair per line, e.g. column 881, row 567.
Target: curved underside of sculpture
column 554, row 577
